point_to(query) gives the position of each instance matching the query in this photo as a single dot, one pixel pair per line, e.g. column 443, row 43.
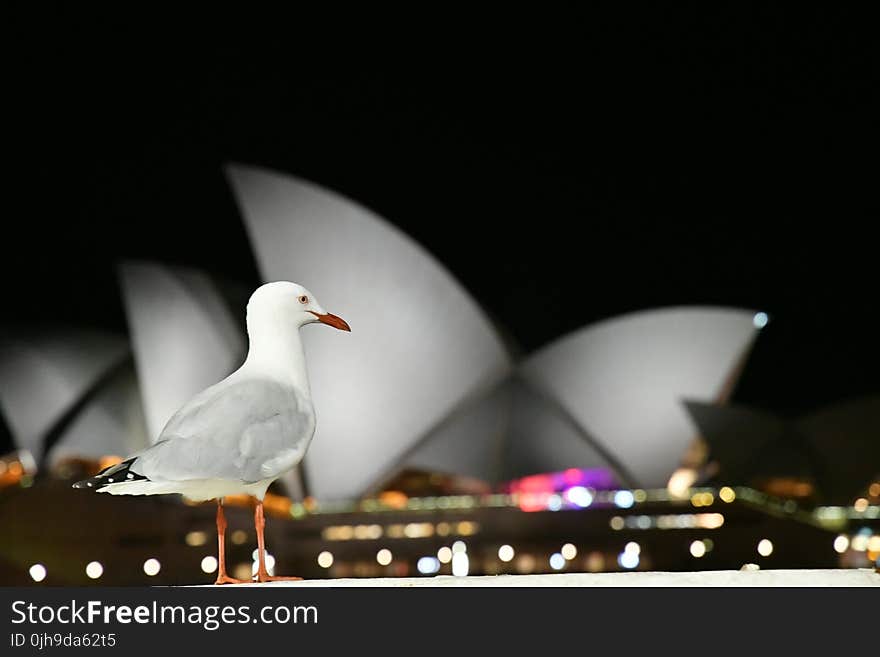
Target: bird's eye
column 304, row 299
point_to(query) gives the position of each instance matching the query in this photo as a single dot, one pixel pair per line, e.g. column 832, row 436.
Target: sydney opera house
column 440, row 449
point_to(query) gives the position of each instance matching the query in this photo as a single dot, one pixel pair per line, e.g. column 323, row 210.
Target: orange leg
column 260, row 524
column 222, row 577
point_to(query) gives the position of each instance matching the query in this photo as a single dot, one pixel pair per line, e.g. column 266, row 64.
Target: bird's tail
column 119, row 473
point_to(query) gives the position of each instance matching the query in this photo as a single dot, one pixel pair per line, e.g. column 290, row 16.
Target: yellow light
column 874, row 489
column 242, row 571
column 384, row 557
column 727, row 494
column 859, row 543
column 239, row 536
column 325, row 559
column 94, row 570
column 418, row 529
column 569, row 551
column 698, row 549
column 368, row 532
column 152, row 567
column 765, row 547
column 861, row 505
column 442, row 529
column 874, row 544
column 640, row 495
column 393, row 498
column 467, row 528
column 395, row 531
column 616, row 523
column 444, row 555
column 338, row 533
column 196, row 539
column 107, row 461
column 680, row 482
column 209, row 565
column 596, row 562
column 841, row 543
column 37, row 572
column 709, row 520
column 525, row 563
column 506, row 553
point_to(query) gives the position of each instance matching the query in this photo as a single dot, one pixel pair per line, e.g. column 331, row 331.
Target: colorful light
column 633, row 547
column 579, row 496
column 727, row 494
column 596, row 562
column 624, row 499
column 859, row 543
column 428, row 565
column 628, row 560
column 557, row 561
column 384, row 556
column 681, row 481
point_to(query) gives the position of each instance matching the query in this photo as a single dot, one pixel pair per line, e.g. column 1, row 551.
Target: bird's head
column 288, row 304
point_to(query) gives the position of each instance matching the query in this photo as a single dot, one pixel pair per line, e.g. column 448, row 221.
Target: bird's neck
column 278, row 354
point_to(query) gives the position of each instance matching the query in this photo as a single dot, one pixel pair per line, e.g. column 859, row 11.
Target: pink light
column 531, row 502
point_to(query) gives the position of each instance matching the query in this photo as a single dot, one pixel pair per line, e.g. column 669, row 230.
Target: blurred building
column 433, row 439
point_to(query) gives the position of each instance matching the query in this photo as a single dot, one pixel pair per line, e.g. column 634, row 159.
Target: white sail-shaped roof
column 419, row 344
column 43, row 374
column 111, row 423
column 183, row 335
column 625, row 380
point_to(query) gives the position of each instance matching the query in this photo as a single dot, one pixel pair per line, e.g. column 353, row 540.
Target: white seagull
column 241, row 434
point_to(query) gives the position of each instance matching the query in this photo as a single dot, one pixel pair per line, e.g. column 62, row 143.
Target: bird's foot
column 265, row 577
column 226, row 579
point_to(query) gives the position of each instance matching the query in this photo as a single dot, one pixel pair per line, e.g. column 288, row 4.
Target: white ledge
column 762, row 578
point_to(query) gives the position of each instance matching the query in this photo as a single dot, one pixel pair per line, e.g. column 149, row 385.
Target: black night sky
column 606, row 167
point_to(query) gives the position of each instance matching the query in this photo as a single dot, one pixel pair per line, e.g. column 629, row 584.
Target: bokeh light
column 37, row 572
column 152, row 567
column 94, row 569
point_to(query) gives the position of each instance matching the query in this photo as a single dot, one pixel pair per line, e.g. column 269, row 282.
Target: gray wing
column 248, row 431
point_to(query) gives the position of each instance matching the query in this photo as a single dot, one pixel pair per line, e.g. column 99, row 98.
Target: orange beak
column 332, row 320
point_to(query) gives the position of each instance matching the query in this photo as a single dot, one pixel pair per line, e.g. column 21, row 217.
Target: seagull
column 241, row 434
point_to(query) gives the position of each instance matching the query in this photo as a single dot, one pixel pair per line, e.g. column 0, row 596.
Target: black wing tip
column 117, row 473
